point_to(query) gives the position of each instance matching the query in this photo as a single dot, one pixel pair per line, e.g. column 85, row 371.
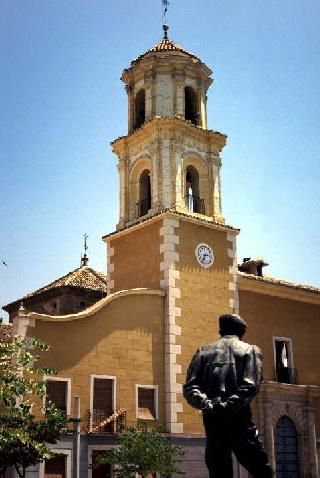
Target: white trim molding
column 171, row 274
column 64, row 451
column 155, row 398
column 50, row 378
column 288, row 341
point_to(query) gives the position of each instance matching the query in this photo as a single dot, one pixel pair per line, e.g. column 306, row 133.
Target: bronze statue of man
column 222, row 379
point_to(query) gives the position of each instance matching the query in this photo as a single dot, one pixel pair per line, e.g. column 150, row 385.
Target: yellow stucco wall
column 205, row 295
column 124, row 339
column 137, row 258
column 269, row 316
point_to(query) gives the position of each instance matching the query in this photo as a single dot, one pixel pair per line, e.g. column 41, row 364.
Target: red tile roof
column 83, row 277
column 165, row 45
column 280, row 282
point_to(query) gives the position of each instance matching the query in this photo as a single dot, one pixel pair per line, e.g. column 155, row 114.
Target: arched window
column 140, row 109
column 286, row 448
column 193, row 201
column 144, row 203
column 190, row 102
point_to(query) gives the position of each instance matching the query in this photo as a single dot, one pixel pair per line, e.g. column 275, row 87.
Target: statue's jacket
column 225, row 374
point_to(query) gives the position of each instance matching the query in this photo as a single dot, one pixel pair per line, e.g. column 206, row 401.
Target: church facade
column 171, row 271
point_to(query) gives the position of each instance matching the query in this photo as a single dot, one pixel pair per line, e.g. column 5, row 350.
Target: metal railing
column 286, row 375
column 105, row 421
column 195, row 204
column 143, row 206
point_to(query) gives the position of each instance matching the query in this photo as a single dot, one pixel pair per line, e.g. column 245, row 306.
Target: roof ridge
column 281, row 282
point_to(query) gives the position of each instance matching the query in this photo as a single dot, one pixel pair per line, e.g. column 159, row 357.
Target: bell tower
column 169, row 160
column 171, row 235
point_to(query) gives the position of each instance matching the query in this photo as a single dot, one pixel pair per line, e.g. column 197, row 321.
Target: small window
column 55, row 467
column 57, row 393
column 147, row 402
column 284, row 369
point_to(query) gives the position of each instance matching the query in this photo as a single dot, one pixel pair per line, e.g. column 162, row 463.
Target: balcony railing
column 104, row 421
column 143, row 206
column 195, row 204
column 286, row 375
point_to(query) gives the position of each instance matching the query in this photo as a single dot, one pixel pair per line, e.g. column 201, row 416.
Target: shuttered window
column 56, row 392
column 103, row 394
column 147, row 403
column 55, row 468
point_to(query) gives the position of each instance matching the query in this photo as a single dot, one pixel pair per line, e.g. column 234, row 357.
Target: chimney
column 252, row 266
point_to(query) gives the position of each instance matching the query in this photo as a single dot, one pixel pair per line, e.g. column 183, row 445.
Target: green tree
column 24, row 438
column 143, row 452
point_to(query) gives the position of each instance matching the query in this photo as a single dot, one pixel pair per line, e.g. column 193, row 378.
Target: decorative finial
column 165, row 27
column 85, row 258
column 165, row 31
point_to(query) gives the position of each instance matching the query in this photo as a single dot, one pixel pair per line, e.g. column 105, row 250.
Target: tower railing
column 195, row 204
column 143, row 206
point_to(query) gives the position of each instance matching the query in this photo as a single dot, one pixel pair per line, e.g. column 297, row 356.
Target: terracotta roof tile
column 165, row 45
column 177, row 213
column 82, row 277
column 281, row 282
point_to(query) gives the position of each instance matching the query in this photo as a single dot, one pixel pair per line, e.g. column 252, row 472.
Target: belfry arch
column 190, row 105
column 139, row 109
column 144, row 203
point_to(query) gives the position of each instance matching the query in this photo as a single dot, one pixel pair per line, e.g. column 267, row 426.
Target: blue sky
column 62, row 103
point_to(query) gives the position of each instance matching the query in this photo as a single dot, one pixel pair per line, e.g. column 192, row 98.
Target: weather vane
column 85, row 258
column 165, row 4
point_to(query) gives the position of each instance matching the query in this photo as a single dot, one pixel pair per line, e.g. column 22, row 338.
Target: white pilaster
column 171, row 274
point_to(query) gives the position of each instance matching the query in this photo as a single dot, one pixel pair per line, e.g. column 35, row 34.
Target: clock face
column 204, row 255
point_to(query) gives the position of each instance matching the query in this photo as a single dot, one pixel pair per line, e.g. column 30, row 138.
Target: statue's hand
column 214, row 406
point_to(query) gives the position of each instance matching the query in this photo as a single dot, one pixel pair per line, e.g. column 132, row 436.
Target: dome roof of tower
column 163, row 46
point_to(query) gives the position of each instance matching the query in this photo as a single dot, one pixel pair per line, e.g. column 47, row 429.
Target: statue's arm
column 191, row 389
column 250, row 382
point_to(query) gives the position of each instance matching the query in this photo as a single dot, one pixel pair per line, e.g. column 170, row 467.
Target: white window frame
column 68, row 454
column 288, row 341
column 68, row 397
column 114, row 392
column 156, row 399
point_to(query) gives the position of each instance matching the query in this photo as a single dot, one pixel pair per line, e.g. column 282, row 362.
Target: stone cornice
column 278, row 288
column 158, row 126
column 271, row 388
column 196, row 219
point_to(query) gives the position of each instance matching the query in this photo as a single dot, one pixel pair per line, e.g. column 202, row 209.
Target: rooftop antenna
column 165, row 4
column 85, row 258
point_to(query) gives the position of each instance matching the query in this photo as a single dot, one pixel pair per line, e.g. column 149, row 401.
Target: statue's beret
column 231, row 321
